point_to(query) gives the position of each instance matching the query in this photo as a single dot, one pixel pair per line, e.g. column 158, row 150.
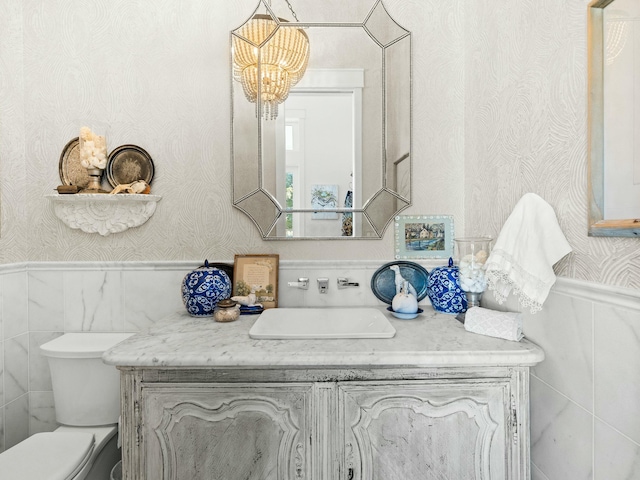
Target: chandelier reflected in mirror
column 270, row 55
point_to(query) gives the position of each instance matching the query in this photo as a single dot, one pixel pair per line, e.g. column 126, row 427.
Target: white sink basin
column 290, row 323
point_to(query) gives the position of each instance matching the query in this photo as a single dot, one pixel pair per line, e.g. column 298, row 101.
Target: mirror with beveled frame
column 333, row 159
column 614, row 118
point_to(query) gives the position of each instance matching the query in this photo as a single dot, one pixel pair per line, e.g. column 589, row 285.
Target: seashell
column 481, row 256
column 139, row 186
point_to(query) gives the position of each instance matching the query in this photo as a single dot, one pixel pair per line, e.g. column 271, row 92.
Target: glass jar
column 472, row 255
column 226, row 311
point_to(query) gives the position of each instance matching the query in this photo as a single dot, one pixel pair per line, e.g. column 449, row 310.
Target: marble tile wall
column 14, row 355
column 584, row 395
column 41, row 301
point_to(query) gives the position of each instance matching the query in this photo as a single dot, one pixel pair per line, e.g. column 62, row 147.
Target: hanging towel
column 528, row 246
column 484, row 321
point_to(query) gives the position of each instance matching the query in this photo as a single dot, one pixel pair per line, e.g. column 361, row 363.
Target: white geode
column 93, row 149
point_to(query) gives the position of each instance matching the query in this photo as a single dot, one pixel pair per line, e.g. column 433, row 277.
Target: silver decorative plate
column 70, row 169
column 383, row 281
column 127, row 164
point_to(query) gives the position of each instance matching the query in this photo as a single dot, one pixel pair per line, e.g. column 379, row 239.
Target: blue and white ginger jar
column 203, row 288
column 444, row 290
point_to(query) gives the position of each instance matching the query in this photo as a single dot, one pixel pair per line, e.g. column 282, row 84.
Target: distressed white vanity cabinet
column 202, row 400
column 226, row 431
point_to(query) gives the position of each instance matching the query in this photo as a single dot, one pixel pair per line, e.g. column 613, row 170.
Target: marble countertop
column 431, row 339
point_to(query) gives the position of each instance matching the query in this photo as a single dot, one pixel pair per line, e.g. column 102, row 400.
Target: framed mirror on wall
column 614, row 118
column 321, row 146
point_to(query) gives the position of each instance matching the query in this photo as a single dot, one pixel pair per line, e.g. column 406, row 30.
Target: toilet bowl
column 87, row 403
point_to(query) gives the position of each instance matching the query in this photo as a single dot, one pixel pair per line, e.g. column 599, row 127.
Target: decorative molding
column 186, row 265
column 19, row 267
column 355, row 265
column 620, row 297
column 289, row 453
column 474, row 410
column 605, row 294
column 343, row 264
column 102, row 213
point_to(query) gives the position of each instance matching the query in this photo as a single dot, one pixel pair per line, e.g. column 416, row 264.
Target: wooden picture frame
column 257, row 274
column 423, row 236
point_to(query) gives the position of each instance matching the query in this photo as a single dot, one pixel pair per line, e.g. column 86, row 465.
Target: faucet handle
column 302, row 283
column 344, row 283
column 323, row 284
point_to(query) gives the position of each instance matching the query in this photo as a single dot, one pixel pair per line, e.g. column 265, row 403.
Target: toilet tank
column 86, row 391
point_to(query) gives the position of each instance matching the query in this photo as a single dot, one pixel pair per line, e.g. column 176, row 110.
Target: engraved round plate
column 127, row 164
column 70, row 169
column 383, row 281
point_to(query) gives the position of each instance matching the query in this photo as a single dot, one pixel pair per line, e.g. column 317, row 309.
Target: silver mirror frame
column 382, row 207
column 598, row 225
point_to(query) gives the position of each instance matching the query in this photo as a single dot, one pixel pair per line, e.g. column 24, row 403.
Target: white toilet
column 87, row 403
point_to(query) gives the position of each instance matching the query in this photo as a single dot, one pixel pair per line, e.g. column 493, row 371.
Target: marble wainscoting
column 14, row 355
column 584, row 394
column 43, row 300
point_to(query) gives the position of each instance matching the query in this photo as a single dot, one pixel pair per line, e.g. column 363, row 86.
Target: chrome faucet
column 323, row 285
column 302, row 283
column 344, row 283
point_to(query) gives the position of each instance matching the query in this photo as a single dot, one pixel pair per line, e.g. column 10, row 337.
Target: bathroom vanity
column 203, row 400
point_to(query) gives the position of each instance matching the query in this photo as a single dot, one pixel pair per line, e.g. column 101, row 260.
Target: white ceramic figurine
column 400, row 281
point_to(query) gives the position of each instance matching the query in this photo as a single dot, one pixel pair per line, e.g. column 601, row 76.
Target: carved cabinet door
column 226, row 431
column 424, row 430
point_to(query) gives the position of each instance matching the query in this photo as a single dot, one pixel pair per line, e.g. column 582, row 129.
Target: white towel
column 528, row 246
column 505, row 325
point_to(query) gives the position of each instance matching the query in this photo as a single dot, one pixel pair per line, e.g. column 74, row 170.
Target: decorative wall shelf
column 102, row 213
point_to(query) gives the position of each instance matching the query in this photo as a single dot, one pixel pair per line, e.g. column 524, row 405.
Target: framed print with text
column 257, row 274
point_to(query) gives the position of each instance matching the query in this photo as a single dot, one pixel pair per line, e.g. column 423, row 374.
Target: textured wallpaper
column 156, row 74
column 499, row 109
column 13, row 183
column 526, row 124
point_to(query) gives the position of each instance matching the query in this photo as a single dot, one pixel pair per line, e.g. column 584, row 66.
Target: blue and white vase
column 203, row 288
column 443, row 288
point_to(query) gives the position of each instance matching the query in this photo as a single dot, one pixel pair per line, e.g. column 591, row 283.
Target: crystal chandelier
column 269, row 57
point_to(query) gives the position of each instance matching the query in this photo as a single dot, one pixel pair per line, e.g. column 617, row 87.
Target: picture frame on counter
column 257, row 274
column 423, row 236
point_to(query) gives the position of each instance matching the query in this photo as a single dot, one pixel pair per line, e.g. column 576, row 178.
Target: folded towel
column 528, row 246
column 484, row 321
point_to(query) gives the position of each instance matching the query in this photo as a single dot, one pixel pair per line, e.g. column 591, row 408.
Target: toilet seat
column 48, row 456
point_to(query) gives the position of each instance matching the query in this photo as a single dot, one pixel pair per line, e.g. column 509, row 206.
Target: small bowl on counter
column 404, row 316
column 226, row 311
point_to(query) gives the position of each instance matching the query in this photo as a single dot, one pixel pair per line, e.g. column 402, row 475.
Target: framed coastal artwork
column 423, row 236
column 257, row 274
column 324, row 197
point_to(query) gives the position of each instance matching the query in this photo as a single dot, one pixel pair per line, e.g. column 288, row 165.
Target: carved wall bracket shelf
column 102, row 213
